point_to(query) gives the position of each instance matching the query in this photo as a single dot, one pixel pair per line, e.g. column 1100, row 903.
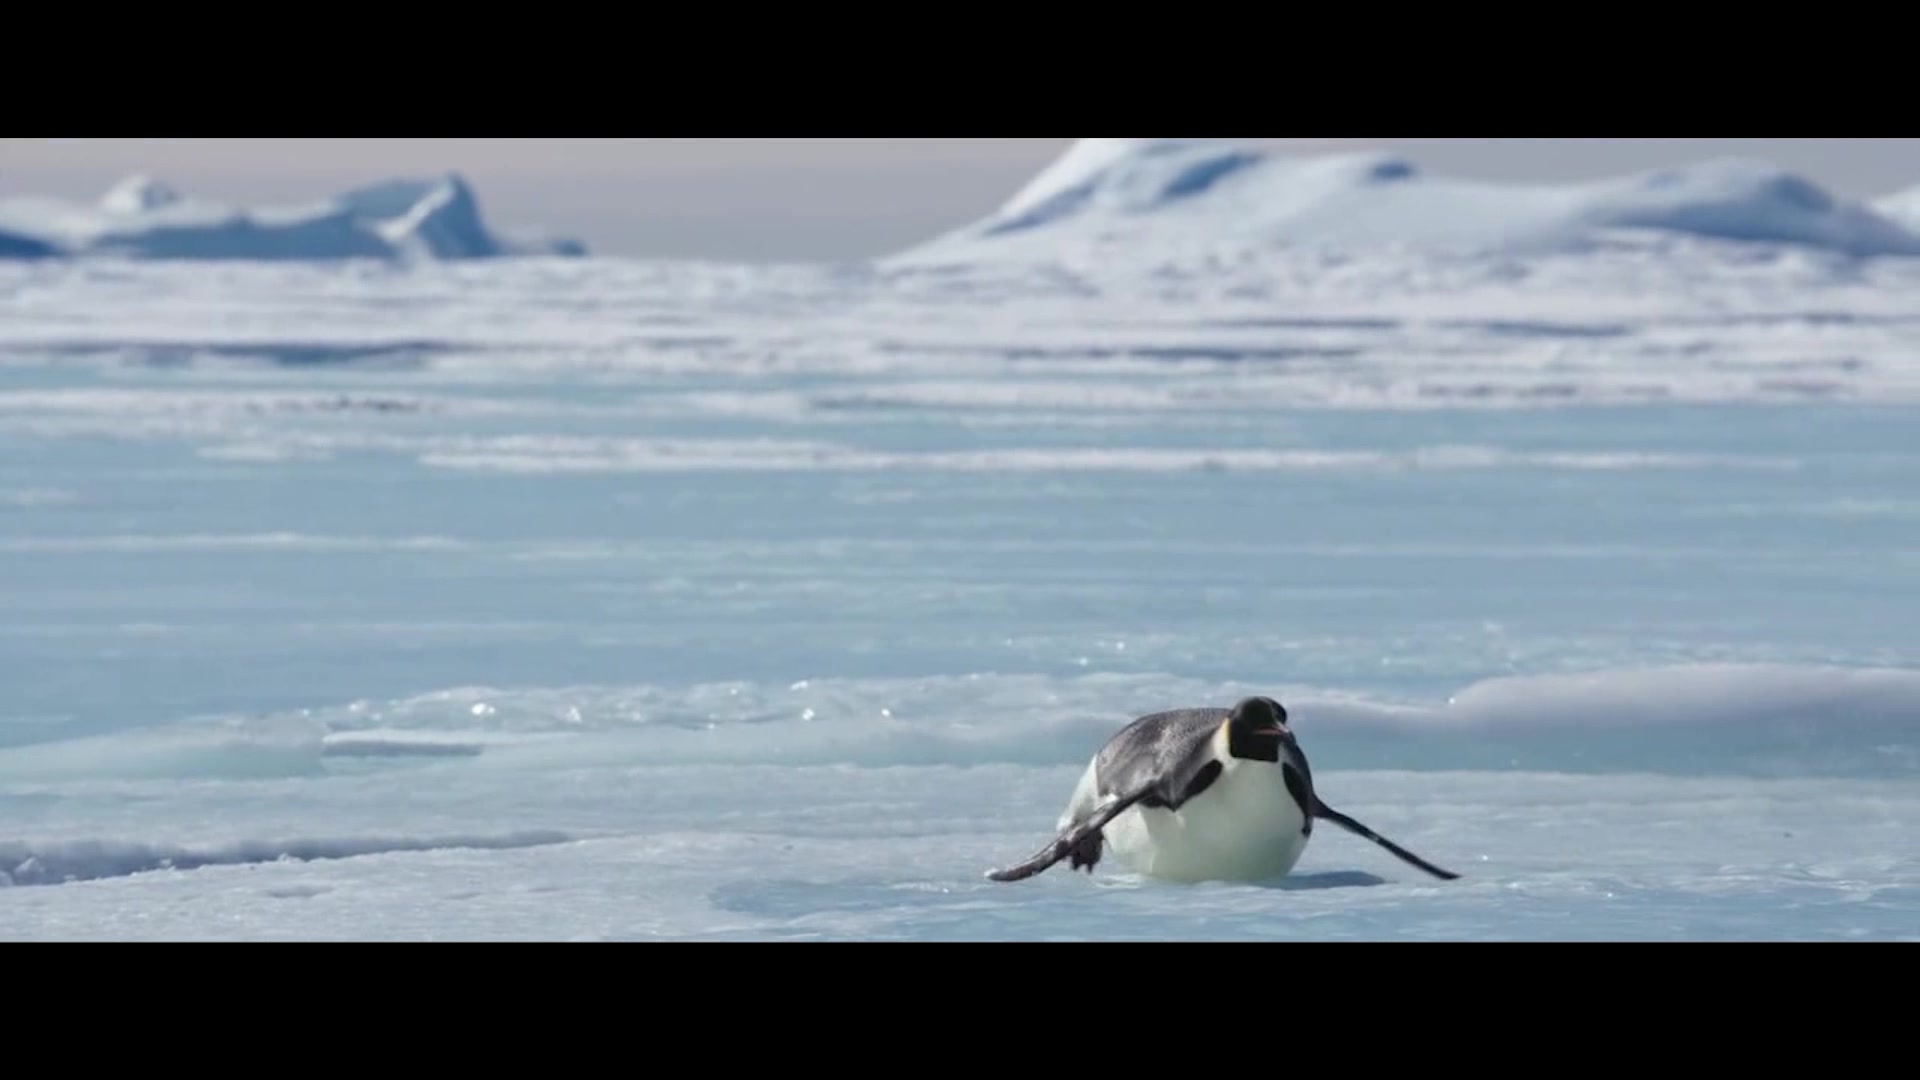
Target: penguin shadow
column 793, row 899
column 1327, row 882
column 1331, row 881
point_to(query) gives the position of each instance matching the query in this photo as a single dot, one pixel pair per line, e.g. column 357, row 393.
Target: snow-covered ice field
column 607, row 600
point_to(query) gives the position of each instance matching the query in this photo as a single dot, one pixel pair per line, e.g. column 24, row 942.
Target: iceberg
column 144, row 218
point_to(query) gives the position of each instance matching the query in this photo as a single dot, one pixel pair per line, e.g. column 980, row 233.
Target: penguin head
column 1257, row 730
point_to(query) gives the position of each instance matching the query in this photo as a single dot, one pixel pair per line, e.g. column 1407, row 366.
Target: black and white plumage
column 1199, row 795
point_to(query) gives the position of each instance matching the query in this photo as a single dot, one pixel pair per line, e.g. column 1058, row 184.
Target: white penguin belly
column 1246, row 828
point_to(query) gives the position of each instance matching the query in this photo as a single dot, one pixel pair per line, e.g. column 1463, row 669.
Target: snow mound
column 144, row 218
column 139, row 195
column 14, row 246
column 1163, row 199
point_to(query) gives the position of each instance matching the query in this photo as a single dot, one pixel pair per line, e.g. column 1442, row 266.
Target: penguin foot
column 1088, row 852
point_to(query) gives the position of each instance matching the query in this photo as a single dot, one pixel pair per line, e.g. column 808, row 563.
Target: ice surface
column 613, row 600
column 144, row 218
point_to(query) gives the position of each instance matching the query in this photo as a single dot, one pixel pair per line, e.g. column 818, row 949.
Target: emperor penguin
column 1199, row 795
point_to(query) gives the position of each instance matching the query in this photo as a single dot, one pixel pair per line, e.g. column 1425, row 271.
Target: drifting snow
column 1684, row 719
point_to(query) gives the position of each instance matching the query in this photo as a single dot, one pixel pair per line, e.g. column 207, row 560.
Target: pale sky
column 799, row 198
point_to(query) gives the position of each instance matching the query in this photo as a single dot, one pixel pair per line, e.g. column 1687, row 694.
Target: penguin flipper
column 1328, row 813
column 1082, row 843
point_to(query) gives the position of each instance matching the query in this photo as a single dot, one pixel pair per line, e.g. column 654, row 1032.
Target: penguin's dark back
column 1152, row 744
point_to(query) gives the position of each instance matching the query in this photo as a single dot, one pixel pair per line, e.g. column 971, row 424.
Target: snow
column 142, row 217
column 1157, row 202
column 635, row 600
column 1902, row 207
